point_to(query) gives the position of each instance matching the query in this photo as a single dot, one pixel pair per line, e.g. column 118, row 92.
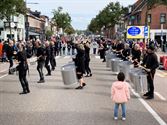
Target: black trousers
column 40, row 65
column 47, row 65
column 87, row 68
column 150, row 81
column 11, row 63
column 23, row 80
column 53, row 62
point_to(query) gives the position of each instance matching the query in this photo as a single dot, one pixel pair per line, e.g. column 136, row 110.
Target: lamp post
column 162, row 21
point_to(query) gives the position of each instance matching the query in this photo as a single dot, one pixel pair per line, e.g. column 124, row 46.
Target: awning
column 34, row 34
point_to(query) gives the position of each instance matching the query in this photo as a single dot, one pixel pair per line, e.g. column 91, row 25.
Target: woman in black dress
column 80, row 64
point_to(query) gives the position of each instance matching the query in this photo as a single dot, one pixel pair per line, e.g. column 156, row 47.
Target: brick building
column 155, row 17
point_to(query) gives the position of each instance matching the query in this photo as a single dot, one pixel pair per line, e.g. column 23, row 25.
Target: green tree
column 69, row 30
column 106, row 18
column 49, row 33
column 11, row 7
column 61, row 19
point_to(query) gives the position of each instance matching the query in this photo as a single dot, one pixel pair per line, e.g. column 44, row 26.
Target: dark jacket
column 151, row 61
column 87, row 53
column 79, row 60
column 41, row 54
column 22, row 59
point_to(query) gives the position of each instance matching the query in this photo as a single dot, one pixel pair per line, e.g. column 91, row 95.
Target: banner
column 138, row 32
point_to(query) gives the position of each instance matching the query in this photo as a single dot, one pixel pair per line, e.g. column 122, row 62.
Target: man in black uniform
column 22, row 68
column 48, row 56
column 40, row 60
column 52, row 58
column 151, row 63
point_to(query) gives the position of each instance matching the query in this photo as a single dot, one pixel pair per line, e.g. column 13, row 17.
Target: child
column 120, row 95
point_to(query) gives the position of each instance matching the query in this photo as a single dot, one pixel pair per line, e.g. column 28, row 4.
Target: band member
column 80, row 65
column 52, row 58
column 87, row 60
column 136, row 55
column 48, row 55
column 150, row 63
column 40, row 60
column 22, row 68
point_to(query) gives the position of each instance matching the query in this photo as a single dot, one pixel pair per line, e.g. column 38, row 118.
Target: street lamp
column 162, row 21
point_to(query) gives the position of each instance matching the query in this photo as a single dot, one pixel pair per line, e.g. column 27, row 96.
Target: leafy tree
column 106, row 18
column 69, row 30
column 11, row 7
column 61, row 18
column 48, row 34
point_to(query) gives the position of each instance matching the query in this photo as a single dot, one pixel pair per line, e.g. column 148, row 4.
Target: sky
column 81, row 11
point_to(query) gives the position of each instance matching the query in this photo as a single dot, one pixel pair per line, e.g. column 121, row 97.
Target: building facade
column 13, row 29
column 155, row 17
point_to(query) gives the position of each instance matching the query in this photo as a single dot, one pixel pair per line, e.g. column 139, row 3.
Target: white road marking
column 3, row 70
column 67, row 57
column 97, row 57
column 3, row 76
column 146, row 105
column 160, row 96
column 57, row 57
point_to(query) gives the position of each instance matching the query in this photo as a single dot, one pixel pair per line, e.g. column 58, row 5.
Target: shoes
column 23, row 93
column 123, row 118
column 90, row 75
column 79, row 87
column 84, row 84
column 87, row 75
column 147, row 94
column 150, row 97
column 28, row 91
column 53, row 69
column 41, row 81
column 48, row 74
column 115, row 118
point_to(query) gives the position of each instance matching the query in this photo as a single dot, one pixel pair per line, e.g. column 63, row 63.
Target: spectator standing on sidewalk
column 120, row 95
column 1, row 46
column 95, row 46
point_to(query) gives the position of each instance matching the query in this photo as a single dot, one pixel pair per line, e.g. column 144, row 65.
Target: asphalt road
column 52, row 103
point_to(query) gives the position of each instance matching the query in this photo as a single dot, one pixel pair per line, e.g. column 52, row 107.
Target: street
column 52, row 103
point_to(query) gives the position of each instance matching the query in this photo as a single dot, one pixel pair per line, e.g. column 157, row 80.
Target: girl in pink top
column 120, row 95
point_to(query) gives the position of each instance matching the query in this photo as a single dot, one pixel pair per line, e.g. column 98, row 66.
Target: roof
column 138, row 6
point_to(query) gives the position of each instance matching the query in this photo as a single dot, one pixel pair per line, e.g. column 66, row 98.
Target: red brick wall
column 155, row 16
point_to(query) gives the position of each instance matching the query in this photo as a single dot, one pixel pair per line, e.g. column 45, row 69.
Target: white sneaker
column 123, row 118
column 115, row 118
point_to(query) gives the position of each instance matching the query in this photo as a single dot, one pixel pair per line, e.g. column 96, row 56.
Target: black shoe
column 41, row 81
column 23, row 93
column 84, row 84
column 79, row 87
column 147, row 94
column 53, row 69
column 28, row 91
column 87, row 75
column 90, row 75
column 48, row 74
column 150, row 97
